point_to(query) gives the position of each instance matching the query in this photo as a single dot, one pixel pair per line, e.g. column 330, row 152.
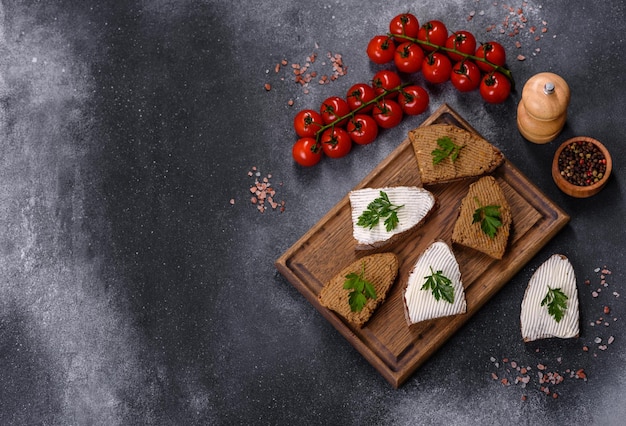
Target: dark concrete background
column 133, row 292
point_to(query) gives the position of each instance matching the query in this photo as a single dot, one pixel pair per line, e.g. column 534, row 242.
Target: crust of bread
column 488, row 192
column 381, row 269
column 477, row 157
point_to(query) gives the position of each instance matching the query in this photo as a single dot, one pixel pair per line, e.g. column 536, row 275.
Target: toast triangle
column 485, row 191
column 380, row 269
column 477, row 157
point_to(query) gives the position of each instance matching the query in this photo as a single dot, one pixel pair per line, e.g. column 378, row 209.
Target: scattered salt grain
column 263, row 192
column 303, row 73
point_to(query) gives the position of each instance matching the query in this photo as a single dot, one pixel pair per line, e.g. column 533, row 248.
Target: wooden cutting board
column 386, row 341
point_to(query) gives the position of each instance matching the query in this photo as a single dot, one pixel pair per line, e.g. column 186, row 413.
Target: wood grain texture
column 393, row 348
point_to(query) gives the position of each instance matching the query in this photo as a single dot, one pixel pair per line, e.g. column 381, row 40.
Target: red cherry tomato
column 465, row 76
column 360, row 94
column 307, row 122
column 408, row 57
column 413, row 100
column 386, row 80
column 333, row 108
column 306, row 152
column 461, row 41
column 336, row 142
column 404, row 24
column 436, row 68
column 434, row 32
column 381, row 49
column 492, row 52
column 362, row 129
column 495, row 88
column 387, row 113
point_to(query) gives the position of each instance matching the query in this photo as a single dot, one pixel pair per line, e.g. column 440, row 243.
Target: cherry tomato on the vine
column 495, row 87
column 360, row 94
column 307, row 122
column 381, row 49
column 306, row 152
column 461, row 41
column 333, row 108
column 387, row 113
column 362, row 129
column 434, row 32
column 408, row 57
column 436, row 68
column 413, row 100
column 465, row 76
column 386, row 80
column 336, row 142
column 404, row 24
column 493, row 52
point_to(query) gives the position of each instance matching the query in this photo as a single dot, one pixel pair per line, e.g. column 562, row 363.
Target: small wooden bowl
column 580, row 191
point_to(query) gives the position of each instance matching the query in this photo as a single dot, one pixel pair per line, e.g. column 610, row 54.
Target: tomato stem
column 385, row 92
column 498, row 68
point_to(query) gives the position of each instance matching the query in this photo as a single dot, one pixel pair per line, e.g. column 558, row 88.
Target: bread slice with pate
column 424, row 302
column 475, row 157
column 378, row 269
column 412, row 205
column 470, row 233
column 550, row 303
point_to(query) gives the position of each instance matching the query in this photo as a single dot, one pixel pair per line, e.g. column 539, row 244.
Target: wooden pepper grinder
column 542, row 112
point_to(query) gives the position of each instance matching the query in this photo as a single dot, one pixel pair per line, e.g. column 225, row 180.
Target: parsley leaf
column 379, row 208
column 440, row 285
column 556, row 301
column 489, row 218
column 446, row 149
column 361, row 289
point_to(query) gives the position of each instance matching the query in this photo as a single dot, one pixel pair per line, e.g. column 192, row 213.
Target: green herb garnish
column 489, row 218
column 379, row 208
column 446, row 149
column 440, row 285
column 361, row 289
column 556, row 301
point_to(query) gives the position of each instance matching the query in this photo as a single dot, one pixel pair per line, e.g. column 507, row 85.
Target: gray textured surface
column 133, row 292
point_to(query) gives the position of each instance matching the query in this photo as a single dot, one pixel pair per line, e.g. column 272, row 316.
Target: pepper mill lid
column 546, row 96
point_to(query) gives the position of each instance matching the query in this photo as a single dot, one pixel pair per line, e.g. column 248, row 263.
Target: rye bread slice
column 381, row 270
column 477, row 157
column 488, row 192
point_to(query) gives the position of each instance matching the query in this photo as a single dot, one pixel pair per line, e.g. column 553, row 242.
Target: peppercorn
column 582, row 163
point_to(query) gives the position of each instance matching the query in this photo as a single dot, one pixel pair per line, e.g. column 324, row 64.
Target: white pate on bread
column 537, row 322
column 420, row 303
column 416, row 204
